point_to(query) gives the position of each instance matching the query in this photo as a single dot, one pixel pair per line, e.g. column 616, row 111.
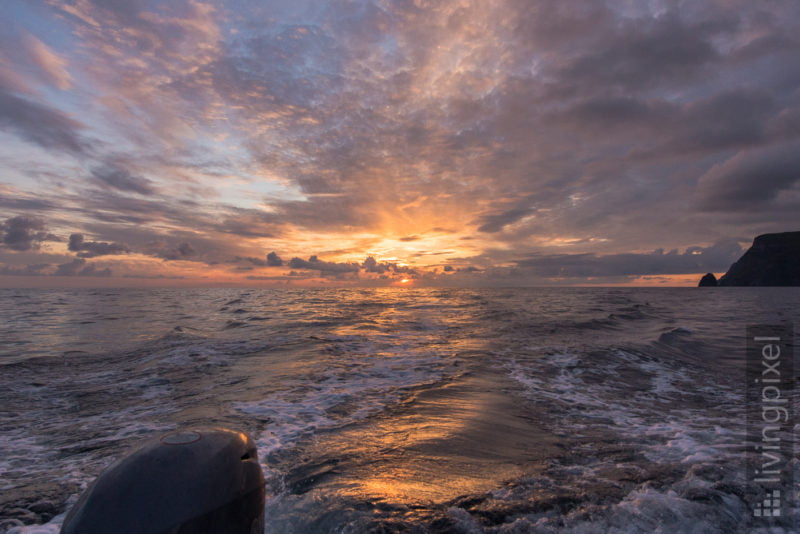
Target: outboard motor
column 196, row 481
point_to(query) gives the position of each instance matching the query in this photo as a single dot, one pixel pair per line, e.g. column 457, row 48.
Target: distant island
column 772, row 260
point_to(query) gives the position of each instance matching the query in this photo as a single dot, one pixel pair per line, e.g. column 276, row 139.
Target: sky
column 404, row 143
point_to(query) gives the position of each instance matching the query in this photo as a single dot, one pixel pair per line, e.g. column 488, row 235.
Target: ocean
column 398, row 410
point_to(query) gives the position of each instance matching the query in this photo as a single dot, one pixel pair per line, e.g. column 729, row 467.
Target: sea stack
column 709, row 280
column 772, row 260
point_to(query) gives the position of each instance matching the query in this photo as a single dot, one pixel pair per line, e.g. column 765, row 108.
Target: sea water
column 398, row 410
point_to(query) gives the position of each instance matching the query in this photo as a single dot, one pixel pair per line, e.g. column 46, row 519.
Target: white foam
column 365, row 378
column 675, row 432
column 347, row 394
column 51, row 527
column 642, row 510
column 676, row 418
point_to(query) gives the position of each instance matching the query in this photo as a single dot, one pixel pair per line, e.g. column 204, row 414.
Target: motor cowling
column 199, row 481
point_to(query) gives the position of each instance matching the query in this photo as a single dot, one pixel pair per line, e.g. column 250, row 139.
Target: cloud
column 90, row 249
column 122, row 180
column 178, row 233
column 728, row 119
column 372, row 266
column 80, row 267
column 29, row 270
column 643, row 52
column 76, row 267
column 40, row 124
column 614, row 113
column 715, row 258
column 71, row 268
column 140, row 213
column 52, row 65
column 167, row 251
column 496, row 222
column 249, row 223
column 315, row 264
column 258, row 262
column 369, row 266
column 150, row 62
column 19, row 203
column 273, row 260
column 750, row 180
column 349, row 210
column 25, row 232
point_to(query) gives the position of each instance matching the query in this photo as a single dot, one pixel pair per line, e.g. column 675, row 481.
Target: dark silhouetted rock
column 773, row 260
column 709, row 280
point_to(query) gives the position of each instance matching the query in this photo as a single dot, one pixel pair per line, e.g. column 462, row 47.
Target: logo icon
column 770, row 507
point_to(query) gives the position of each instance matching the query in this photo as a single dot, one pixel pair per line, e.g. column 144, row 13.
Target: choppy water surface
column 422, row 410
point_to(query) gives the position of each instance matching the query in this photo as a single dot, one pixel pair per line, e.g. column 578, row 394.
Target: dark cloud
column 315, row 264
column 728, row 119
column 553, row 24
column 496, row 222
column 258, row 262
column 40, row 124
column 273, row 260
column 110, row 206
column 750, row 180
column 71, row 268
column 614, row 113
column 715, row 258
column 249, row 223
column 323, row 212
column 206, row 231
column 92, row 270
column 80, row 267
column 25, row 233
column 170, row 251
column 76, row 267
column 153, row 276
column 133, row 219
column 372, row 266
column 90, row 249
column 203, row 245
column 122, row 180
column 29, row 270
column 27, row 204
column 641, row 53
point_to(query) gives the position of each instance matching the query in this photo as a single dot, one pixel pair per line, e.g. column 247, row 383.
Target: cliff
column 772, row 260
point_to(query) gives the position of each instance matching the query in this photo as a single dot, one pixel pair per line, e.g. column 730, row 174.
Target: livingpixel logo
column 770, row 422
